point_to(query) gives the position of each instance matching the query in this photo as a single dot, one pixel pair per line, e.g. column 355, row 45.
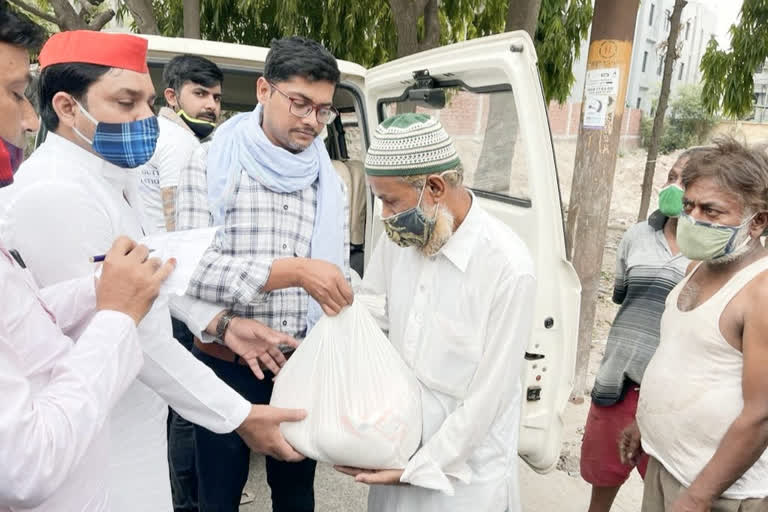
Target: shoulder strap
column 739, row 281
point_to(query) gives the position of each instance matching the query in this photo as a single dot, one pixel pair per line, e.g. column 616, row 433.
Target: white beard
column 442, row 231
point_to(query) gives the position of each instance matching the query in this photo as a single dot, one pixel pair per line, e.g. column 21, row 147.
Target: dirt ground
column 625, row 203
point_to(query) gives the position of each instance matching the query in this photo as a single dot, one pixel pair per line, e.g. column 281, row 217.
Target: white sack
column 363, row 402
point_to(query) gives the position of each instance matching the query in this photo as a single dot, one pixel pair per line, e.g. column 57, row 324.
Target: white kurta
column 56, row 395
column 68, row 204
column 461, row 320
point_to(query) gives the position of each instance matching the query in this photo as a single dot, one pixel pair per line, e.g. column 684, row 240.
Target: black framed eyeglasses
column 303, row 108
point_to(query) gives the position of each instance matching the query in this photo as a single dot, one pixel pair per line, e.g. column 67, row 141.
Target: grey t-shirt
column 646, row 271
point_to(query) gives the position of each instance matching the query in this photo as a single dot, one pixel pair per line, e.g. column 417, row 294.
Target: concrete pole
column 605, row 89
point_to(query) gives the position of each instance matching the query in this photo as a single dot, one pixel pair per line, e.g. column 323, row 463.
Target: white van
column 488, row 96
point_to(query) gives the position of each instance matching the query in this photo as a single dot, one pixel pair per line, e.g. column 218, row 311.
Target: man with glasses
column 283, row 255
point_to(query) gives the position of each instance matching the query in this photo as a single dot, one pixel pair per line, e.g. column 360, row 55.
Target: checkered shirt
column 260, row 227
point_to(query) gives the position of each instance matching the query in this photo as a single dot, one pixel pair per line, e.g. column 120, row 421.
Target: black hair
column 17, row 29
column 73, row 78
column 300, row 57
column 191, row 68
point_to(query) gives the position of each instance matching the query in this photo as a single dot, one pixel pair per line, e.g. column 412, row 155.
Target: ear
column 263, row 90
column 437, row 186
column 759, row 225
column 170, row 98
column 65, row 107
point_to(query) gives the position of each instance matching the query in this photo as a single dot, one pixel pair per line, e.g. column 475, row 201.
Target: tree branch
column 523, row 16
column 32, row 10
column 431, row 26
column 101, row 19
column 67, row 17
column 142, row 13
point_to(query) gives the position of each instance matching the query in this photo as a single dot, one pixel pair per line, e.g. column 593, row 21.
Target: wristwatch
column 223, row 324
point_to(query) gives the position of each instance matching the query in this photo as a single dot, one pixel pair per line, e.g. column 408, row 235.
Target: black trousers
column 181, row 444
column 222, row 460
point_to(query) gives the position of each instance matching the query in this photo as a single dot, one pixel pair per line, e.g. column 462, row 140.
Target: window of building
column 650, row 18
column 639, row 101
column 660, row 67
column 687, row 30
column 682, row 67
column 645, row 60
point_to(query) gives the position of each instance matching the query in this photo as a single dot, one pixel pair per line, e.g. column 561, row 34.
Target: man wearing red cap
column 56, row 393
column 72, row 197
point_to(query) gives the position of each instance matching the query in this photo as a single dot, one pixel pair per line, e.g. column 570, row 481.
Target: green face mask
column 671, row 200
column 704, row 241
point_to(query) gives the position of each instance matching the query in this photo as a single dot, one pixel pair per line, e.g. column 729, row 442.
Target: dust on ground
column 625, row 203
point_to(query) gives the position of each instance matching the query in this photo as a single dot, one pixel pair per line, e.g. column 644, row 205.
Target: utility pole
column 605, row 90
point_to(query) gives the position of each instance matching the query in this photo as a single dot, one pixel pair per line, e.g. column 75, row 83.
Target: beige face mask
column 704, row 241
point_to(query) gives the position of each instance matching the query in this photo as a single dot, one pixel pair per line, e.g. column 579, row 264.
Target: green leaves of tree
column 363, row 31
column 728, row 75
column 562, row 26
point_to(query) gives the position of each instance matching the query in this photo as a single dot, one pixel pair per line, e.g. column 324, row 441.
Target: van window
column 486, row 131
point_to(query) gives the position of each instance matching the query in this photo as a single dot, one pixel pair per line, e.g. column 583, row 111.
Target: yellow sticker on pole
column 605, row 85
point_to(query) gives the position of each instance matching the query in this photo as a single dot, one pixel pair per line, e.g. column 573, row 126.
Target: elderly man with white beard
column 460, row 291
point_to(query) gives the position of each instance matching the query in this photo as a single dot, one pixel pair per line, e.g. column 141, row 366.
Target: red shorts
column 600, row 463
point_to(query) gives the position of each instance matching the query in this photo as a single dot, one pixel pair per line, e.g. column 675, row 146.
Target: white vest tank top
column 691, row 391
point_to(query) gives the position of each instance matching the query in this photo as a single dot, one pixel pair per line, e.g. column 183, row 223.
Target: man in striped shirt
column 282, row 257
column 648, row 266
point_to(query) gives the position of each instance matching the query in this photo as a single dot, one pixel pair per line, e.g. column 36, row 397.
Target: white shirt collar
column 81, row 158
column 458, row 249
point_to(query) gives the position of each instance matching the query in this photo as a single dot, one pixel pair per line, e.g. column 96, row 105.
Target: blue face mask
column 126, row 145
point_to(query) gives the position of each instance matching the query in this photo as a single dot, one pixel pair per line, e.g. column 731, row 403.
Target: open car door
column 488, row 96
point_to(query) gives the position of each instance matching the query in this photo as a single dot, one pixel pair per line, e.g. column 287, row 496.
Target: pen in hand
column 100, row 257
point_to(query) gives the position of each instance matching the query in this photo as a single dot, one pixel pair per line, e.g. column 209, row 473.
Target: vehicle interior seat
column 352, row 175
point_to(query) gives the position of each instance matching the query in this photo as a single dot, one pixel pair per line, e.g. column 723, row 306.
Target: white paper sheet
column 187, row 247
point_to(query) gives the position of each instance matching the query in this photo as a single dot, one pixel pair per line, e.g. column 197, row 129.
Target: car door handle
column 529, row 356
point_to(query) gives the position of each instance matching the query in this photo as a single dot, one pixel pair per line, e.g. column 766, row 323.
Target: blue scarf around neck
column 240, row 144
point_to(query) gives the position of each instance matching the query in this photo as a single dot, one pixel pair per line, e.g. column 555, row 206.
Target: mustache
column 309, row 132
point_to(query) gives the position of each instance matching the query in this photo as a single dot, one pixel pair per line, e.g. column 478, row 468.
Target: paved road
column 334, row 492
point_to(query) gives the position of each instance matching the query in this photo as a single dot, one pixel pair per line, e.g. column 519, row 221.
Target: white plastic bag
column 362, row 400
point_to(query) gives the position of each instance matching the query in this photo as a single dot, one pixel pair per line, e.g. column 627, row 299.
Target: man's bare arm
column 169, row 207
column 747, row 437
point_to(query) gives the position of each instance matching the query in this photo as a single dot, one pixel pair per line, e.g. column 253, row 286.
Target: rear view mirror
column 432, row 98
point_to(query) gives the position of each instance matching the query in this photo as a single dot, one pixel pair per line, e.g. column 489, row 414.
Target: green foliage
column 562, row 26
column 363, row 31
column 688, row 121
column 359, row 31
column 727, row 75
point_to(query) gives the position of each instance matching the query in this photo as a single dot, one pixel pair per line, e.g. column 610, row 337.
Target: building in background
column 698, row 25
column 760, row 114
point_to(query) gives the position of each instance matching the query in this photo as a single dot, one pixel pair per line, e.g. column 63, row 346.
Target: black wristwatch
column 223, row 324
